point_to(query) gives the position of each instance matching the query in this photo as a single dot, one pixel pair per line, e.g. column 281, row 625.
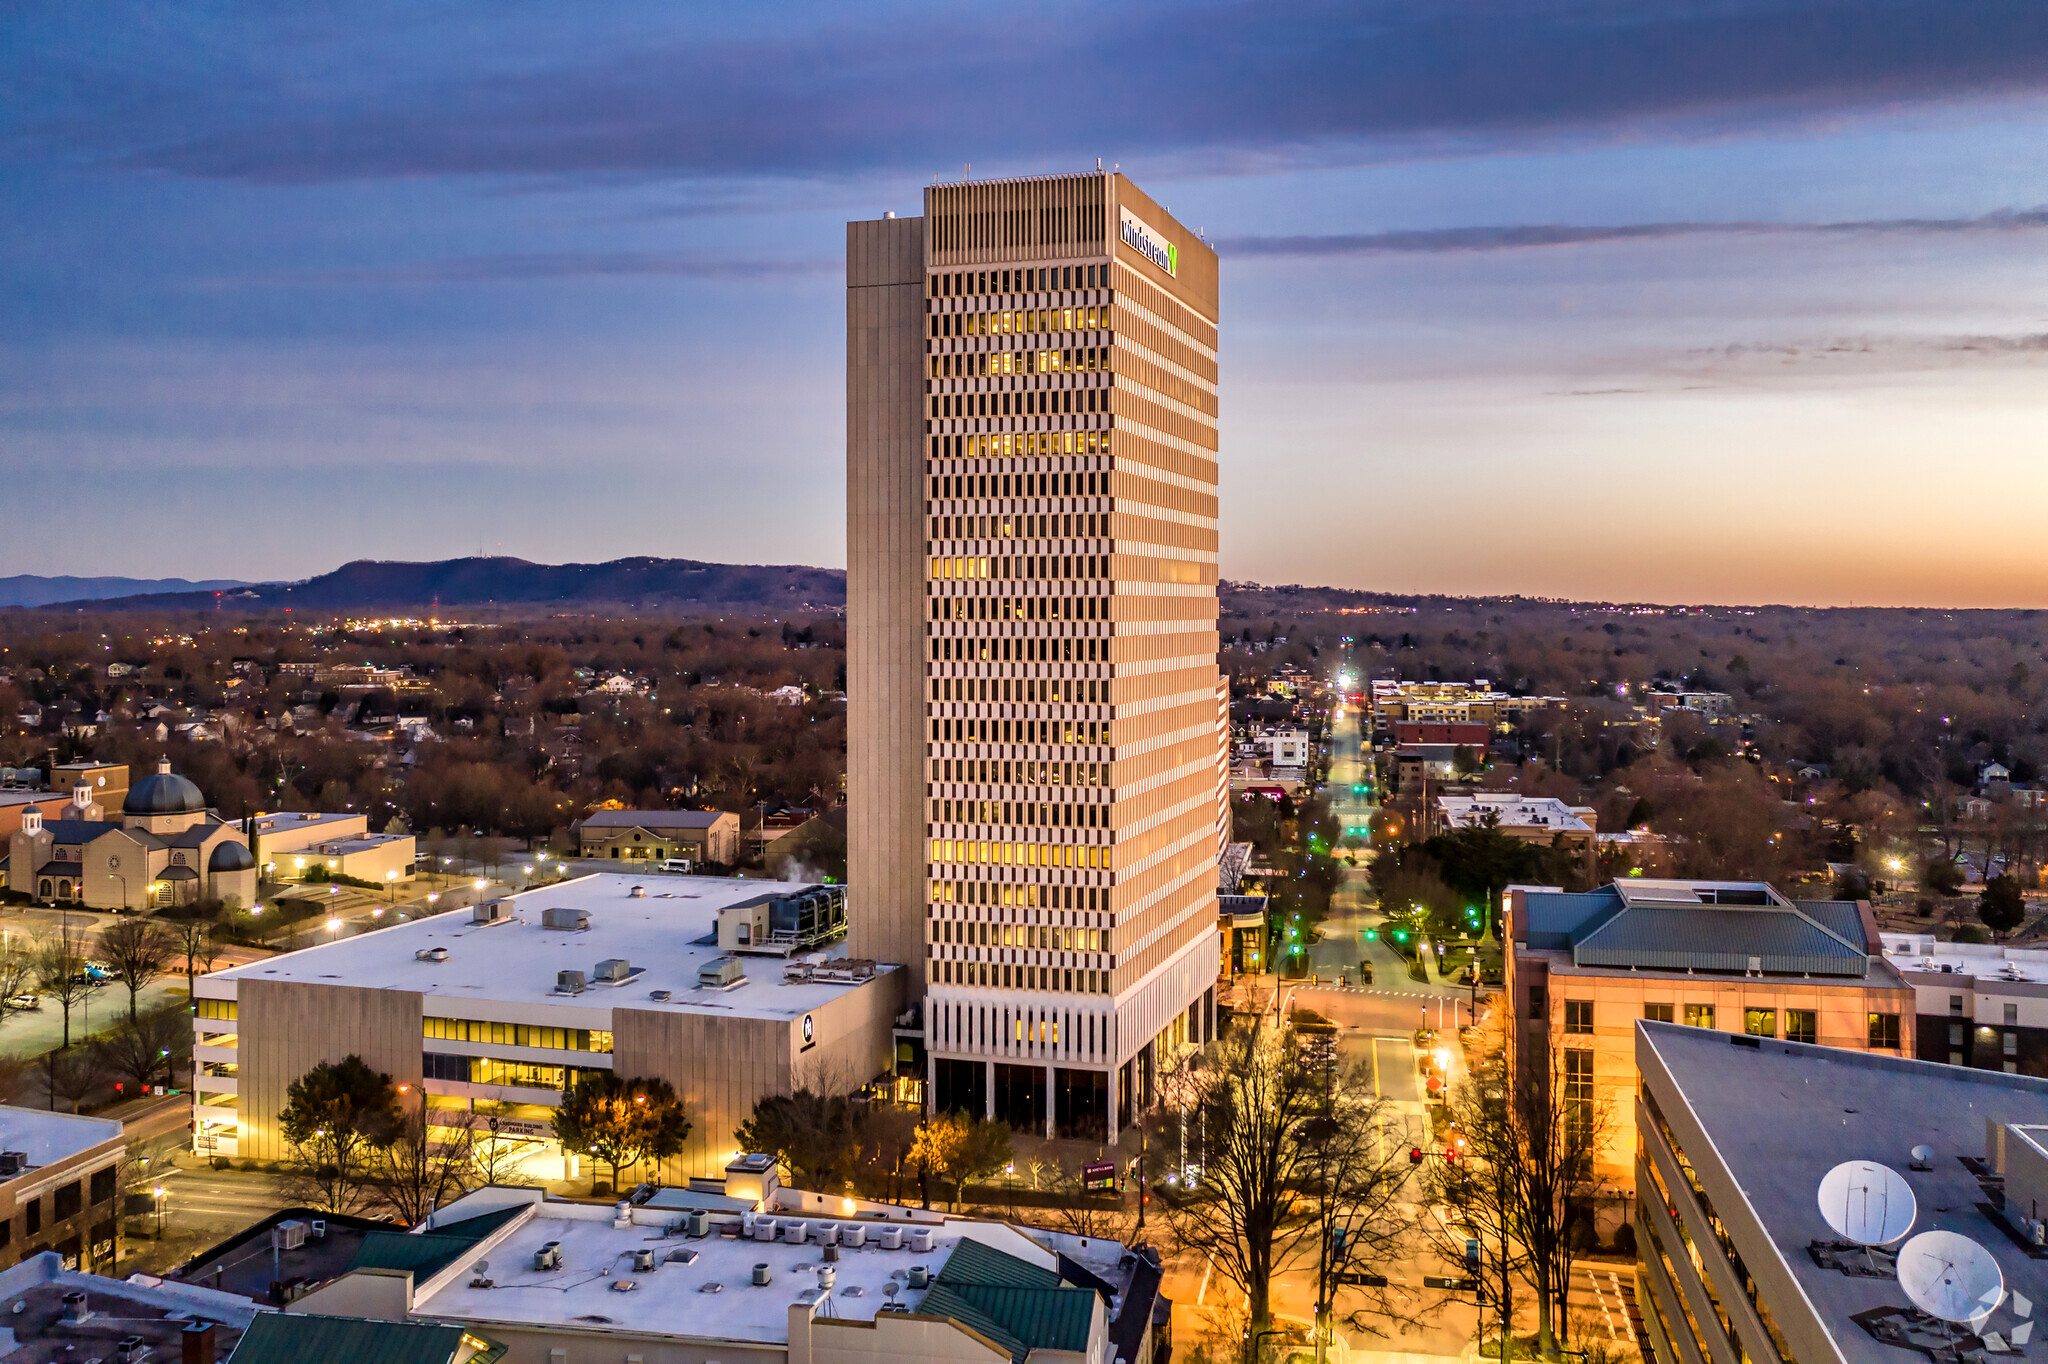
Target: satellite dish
column 1949, row 1276
column 1923, row 1153
column 482, row 1268
column 1868, row 1203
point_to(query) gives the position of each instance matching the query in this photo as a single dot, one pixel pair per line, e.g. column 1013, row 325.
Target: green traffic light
column 1372, row 934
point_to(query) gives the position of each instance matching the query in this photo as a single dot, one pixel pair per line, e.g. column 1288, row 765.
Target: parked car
column 26, row 1001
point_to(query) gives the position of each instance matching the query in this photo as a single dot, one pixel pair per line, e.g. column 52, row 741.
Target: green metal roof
column 293, row 1338
column 946, row 1302
column 1013, row 1302
column 428, row 1253
column 974, row 1263
column 1042, row 1318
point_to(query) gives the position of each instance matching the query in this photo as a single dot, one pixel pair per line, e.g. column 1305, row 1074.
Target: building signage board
column 1149, row 244
column 1098, row 1175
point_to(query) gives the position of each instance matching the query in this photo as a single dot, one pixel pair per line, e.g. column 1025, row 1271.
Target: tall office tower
column 1031, row 654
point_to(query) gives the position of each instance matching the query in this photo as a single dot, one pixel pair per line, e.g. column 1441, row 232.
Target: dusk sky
column 1713, row 301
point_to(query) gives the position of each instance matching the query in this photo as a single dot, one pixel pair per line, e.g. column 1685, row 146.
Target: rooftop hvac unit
column 828, row 1234
column 793, row 1231
column 643, row 1261
column 697, row 1222
column 573, row 920
column 288, row 1235
column 762, row 1275
column 892, row 1238
column 764, row 1228
column 614, row 969
column 855, row 1236
column 492, row 912
column 549, row 1256
column 830, row 1254
column 637, row 893
column 720, row 972
column 921, row 1240
column 827, row 1276
column 919, row 1278
column 13, row 1163
column 568, row 982
column 130, row 1350
column 431, row 954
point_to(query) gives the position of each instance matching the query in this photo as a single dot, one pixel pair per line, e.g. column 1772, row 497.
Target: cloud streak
column 549, row 265
column 1522, row 237
column 408, row 93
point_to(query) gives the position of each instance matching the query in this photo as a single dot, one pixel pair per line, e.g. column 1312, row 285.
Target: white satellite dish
column 1923, row 1153
column 1869, row 1203
column 1947, row 1275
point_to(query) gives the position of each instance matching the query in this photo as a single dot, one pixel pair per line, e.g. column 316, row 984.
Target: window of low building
column 1699, row 1015
column 1578, row 1017
column 1760, row 1022
column 1801, row 1025
column 1884, row 1030
column 1657, row 1013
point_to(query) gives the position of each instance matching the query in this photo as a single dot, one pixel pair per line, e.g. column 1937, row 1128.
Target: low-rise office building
column 655, row 835
column 746, row 1272
column 491, row 1013
column 1730, row 957
column 1543, row 820
column 1735, row 1259
column 1977, row 1004
column 59, row 1187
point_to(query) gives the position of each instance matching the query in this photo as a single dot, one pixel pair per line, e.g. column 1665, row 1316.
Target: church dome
column 229, row 855
column 164, row 793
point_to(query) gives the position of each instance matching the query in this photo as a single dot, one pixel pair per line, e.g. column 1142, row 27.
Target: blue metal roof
column 1555, row 920
column 1719, row 938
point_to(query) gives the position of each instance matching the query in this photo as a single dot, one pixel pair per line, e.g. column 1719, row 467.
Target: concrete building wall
column 885, row 549
column 1071, row 681
column 287, row 1028
column 721, row 1066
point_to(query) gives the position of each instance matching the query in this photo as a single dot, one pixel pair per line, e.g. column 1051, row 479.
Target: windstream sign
column 1150, row 244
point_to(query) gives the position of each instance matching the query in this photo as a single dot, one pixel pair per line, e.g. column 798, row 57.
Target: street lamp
column 158, row 1192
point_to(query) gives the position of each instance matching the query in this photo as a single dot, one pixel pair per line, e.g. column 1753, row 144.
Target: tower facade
column 1032, row 638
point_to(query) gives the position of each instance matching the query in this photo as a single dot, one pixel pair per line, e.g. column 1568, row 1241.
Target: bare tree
column 423, row 1167
column 1531, row 1134
column 73, row 1074
column 17, row 969
column 1256, row 1126
column 146, row 1050
column 139, row 950
column 194, row 941
column 60, row 972
column 497, row 1151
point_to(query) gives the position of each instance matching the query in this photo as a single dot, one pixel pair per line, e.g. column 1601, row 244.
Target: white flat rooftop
column 676, row 1298
column 46, row 1138
column 1981, row 961
column 660, row 936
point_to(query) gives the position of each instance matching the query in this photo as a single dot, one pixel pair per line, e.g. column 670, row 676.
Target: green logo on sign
column 1172, row 259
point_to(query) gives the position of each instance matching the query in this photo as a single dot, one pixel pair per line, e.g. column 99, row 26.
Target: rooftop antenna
column 1949, row 1276
column 1869, row 1203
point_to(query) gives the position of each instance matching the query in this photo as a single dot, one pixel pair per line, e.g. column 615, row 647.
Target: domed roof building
column 166, row 849
column 164, row 793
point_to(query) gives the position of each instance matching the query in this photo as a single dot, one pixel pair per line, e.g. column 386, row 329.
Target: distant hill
column 369, row 584
column 29, row 589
